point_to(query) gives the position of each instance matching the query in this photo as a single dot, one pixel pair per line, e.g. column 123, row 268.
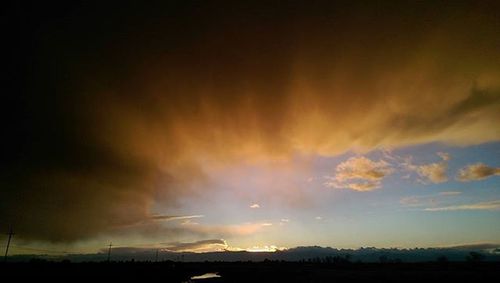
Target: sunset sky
column 211, row 125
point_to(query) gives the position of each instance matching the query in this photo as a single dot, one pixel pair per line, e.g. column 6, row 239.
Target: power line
column 9, row 247
column 11, row 233
column 109, row 251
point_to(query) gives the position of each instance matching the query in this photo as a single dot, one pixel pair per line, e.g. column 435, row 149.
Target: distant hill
column 488, row 252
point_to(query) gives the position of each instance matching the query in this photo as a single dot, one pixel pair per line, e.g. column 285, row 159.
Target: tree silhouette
column 442, row 261
column 383, row 259
column 474, row 257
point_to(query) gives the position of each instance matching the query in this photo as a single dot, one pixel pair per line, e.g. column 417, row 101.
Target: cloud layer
column 109, row 118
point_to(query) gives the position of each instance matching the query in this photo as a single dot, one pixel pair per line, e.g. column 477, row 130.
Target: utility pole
column 109, row 251
column 156, row 258
column 11, row 233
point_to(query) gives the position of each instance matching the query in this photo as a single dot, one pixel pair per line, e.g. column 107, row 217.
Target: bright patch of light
column 271, row 248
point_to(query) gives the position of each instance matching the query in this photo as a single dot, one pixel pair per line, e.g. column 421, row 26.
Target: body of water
column 206, row 276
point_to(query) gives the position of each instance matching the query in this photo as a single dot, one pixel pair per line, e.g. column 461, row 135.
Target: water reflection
column 206, row 276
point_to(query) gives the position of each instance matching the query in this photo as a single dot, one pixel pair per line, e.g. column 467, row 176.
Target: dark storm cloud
column 109, row 109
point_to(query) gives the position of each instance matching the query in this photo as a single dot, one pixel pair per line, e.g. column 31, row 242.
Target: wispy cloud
column 418, row 201
column 477, row 171
column 198, row 246
column 154, row 219
column 445, row 156
column 189, row 222
column 173, row 217
column 284, row 221
column 228, row 230
column 487, row 205
column 450, row 193
column 359, row 174
column 429, row 200
column 255, row 205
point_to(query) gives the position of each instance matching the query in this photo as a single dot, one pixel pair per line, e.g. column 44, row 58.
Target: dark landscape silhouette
column 317, row 270
column 301, row 264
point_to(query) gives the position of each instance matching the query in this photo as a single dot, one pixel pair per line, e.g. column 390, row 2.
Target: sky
column 212, row 125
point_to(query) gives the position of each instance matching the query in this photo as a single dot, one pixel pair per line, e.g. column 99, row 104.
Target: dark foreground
column 255, row 271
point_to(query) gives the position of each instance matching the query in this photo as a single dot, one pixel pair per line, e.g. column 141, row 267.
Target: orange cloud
column 359, row 174
column 433, row 172
column 108, row 141
column 478, row 171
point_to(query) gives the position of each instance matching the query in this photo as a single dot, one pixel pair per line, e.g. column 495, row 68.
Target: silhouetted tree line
column 474, row 257
column 387, row 259
column 344, row 259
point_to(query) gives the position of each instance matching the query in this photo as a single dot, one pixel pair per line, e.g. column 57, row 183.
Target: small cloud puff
column 477, row 171
column 255, row 205
column 433, row 172
column 359, row 174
